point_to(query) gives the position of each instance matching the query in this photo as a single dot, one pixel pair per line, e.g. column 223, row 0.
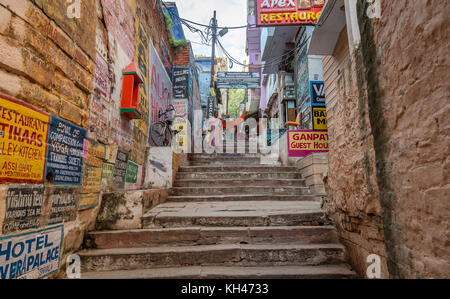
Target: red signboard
column 272, row 13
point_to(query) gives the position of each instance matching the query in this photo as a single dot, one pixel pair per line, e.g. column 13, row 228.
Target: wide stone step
column 177, row 191
column 240, row 183
column 225, row 155
column 237, row 213
column 217, row 272
column 238, row 175
column 209, row 255
column 225, row 163
column 240, row 197
column 236, row 219
column 241, row 168
column 211, row 235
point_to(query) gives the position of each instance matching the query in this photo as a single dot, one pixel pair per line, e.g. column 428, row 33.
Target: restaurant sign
column 288, row 12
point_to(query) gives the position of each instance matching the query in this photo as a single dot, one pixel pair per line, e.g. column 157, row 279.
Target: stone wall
column 388, row 183
column 353, row 200
column 64, row 144
column 405, row 64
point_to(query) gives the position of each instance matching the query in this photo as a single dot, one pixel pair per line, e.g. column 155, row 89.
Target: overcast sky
column 229, row 13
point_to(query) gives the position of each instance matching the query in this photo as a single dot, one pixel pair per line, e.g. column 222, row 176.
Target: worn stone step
column 239, row 213
column 216, row 272
column 237, row 175
column 240, row 183
column 211, row 235
column 240, row 197
column 208, row 255
column 234, row 168
column 236, row 219
column 225, row 163
column 177, row 191
column 223, row 155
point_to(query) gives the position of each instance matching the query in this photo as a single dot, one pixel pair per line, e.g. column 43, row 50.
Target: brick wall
column 63, row 77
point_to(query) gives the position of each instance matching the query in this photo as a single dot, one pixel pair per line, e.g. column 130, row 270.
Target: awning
column 330, row 25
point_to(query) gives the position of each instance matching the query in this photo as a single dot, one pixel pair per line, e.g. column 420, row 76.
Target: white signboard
column 161, row 93
column 31, row 255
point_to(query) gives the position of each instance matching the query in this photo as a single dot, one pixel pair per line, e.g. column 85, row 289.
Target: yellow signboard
column 23, row 142
column 182, row 141
column 320, row 119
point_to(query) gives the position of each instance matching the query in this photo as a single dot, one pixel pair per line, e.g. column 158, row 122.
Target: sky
column 229, row 13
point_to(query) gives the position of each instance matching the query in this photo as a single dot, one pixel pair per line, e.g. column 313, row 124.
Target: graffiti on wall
column 119, row 20
column 160, row 86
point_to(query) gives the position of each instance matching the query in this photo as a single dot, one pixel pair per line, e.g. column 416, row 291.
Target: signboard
column 301, row 143
column 92, row 178
column 64, row 205
column 31, row 255
column 23, row 142
column 120, row 169
column 160, row 87
column 211, row 107
column 289, row 92
column 238, row 80
column 181, row 108
column 24, row 207
column 182, row 143
column 132, row 173
column 180, row 83
column 65, row 152
column 319, row 119
column 107, row 174
column 88, row 201
column 140, row 129
column 272, row 13
column 318, row 93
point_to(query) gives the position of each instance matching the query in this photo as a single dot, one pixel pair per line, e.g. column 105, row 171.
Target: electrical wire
column 206, row 37
column 203, row 25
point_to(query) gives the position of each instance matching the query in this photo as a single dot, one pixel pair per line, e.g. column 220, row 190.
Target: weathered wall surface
column 388, row 182
column 406, row 65
column 353, row 200
column 63, row 143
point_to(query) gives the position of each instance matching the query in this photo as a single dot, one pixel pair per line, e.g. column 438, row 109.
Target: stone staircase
column 228, row 217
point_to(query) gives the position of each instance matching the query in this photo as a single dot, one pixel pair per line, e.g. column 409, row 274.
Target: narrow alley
column 200, row 145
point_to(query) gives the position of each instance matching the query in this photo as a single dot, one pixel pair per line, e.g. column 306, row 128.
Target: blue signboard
column 65, row 153
column 318, row 93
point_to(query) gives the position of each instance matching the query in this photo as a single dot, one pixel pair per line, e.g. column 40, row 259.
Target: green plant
column 169, row 26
